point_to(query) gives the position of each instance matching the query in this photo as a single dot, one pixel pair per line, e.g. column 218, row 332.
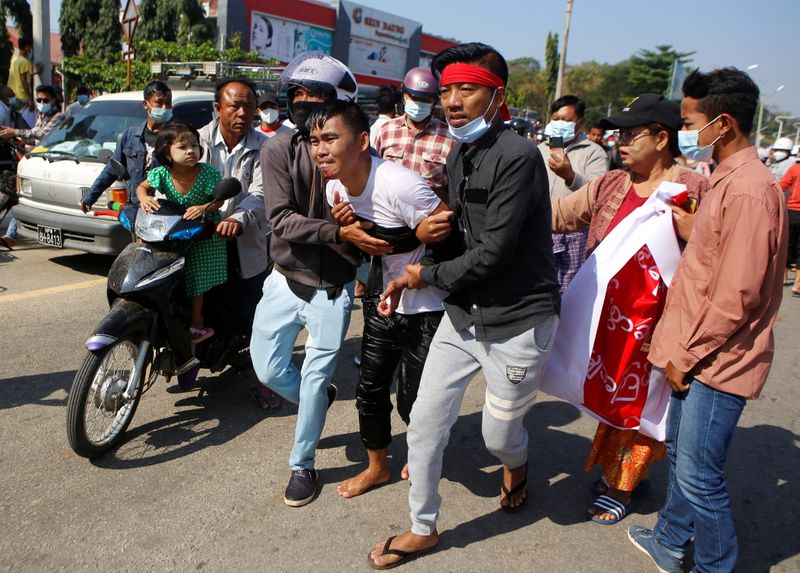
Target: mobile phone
column 557, row 141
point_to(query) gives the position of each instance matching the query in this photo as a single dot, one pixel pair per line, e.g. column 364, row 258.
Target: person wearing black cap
column 269, row 114
column 648, row 136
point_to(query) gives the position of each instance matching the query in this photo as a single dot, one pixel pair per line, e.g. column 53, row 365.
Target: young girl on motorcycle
column 181, row 178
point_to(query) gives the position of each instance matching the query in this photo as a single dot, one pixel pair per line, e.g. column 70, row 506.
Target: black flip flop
column 405, row 556
column 263, row 403
column 514, row 491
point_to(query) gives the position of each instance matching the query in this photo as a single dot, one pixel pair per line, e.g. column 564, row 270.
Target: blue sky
column 736, row 33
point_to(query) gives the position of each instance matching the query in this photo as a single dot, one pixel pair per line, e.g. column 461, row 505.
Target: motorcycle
column 145, row 332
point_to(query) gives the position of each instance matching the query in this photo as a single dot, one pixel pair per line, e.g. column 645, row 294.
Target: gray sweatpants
column 513, row 369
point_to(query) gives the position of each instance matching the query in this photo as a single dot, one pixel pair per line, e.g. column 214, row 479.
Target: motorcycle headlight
column 154, row 227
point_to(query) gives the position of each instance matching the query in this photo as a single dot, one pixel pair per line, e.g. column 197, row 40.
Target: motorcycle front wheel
column 97, row 413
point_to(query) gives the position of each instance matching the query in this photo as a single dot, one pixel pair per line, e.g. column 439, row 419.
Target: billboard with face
column 281, row 39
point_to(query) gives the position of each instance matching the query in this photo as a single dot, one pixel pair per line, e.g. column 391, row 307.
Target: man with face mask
column 714, row 338
column 570, row 166
column 47, row 117
column 503, row 305
column 269, row 115
column 315, row 259
column 417, row 140
column 82, row 96
column 136, row 147
column 781, row 159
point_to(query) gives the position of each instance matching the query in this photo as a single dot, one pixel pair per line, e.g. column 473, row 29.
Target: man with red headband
column 503, row 303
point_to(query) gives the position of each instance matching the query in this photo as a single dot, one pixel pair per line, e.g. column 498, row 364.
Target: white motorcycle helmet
column 320, row 74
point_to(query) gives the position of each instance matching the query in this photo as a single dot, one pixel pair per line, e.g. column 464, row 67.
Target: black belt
column 403, row 240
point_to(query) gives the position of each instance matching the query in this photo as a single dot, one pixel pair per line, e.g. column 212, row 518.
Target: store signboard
column 274, row 37
column 377, row 59
column 379, row 26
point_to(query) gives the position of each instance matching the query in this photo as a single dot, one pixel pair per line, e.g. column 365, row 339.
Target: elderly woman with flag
column 619, row 387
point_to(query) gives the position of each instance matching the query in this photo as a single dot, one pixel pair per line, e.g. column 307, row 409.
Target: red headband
column 470, row 74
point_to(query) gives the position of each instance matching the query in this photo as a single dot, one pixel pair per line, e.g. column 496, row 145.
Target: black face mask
column 301, row 111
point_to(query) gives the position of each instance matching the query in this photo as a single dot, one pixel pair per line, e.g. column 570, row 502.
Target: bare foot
column 623, row 497
column 357, row 485
column 511, row 480
column 404, row 472
column 407, row 542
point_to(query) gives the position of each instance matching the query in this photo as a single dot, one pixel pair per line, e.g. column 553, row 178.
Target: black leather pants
column 388, row 342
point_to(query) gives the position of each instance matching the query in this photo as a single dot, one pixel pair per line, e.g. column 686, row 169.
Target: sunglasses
column 626, row 137
column 42, row 100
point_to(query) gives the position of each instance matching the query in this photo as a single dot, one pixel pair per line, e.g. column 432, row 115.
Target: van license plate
column 50, row 236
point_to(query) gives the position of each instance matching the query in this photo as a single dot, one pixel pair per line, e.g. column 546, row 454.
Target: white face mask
column 780, row 155
column 417, row 110
column 269, row 116
column 475, row 128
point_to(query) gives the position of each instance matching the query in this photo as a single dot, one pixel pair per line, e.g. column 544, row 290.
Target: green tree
column 173, row 20
column 551, row 57
column 6, row 50
column 91, row 26
column 650, row 71
column 20, row 12
column 525, row 84
column 104, row 40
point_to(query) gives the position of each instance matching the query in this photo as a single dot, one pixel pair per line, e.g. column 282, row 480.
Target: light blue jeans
column 11, row 231
column 699, row 430
column 278, row 320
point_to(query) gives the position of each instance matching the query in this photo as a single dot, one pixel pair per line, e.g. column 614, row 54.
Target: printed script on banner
column 608, row 314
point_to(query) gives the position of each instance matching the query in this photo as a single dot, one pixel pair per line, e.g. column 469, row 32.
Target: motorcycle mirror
column 227, row 188
column 119, row 170
column 104, row 155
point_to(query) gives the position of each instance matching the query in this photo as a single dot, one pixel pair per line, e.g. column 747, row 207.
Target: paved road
column 198, row 484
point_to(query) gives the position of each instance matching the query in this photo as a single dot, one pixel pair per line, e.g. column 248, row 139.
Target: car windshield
column 99, row 125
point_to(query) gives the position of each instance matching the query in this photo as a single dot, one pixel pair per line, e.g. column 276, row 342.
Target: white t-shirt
column 375, row 129
column 396, row 197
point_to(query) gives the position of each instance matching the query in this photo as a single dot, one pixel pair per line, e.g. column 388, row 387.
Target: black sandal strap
column 388, row 551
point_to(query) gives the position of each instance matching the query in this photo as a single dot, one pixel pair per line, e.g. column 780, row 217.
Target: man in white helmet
column 780, row 160
column 315, row 261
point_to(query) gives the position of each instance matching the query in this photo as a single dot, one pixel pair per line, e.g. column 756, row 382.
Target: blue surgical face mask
column 689, row 144
column 83, row 99
column 475, row 128
column 560, row 128
column 12, row 101
column 44, row 107
column 160, row 114
column 418, row 110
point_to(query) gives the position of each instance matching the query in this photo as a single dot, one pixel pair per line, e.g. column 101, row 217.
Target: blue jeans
column 280, row 315
column 699, row 430
column 11, row 231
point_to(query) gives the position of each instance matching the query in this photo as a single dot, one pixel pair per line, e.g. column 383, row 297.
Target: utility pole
column 40, row 10
column 562, row 61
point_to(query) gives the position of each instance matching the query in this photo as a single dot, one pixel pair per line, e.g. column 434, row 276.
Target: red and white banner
column 599, row 357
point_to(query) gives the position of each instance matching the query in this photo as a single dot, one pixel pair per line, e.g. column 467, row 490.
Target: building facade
column 377, row 46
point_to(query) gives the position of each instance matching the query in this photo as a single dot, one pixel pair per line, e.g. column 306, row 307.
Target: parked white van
column 52, row 179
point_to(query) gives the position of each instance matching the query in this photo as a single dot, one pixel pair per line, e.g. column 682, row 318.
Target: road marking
column 50, row 290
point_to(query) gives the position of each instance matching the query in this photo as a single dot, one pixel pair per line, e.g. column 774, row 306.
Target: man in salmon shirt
column 715, row 336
